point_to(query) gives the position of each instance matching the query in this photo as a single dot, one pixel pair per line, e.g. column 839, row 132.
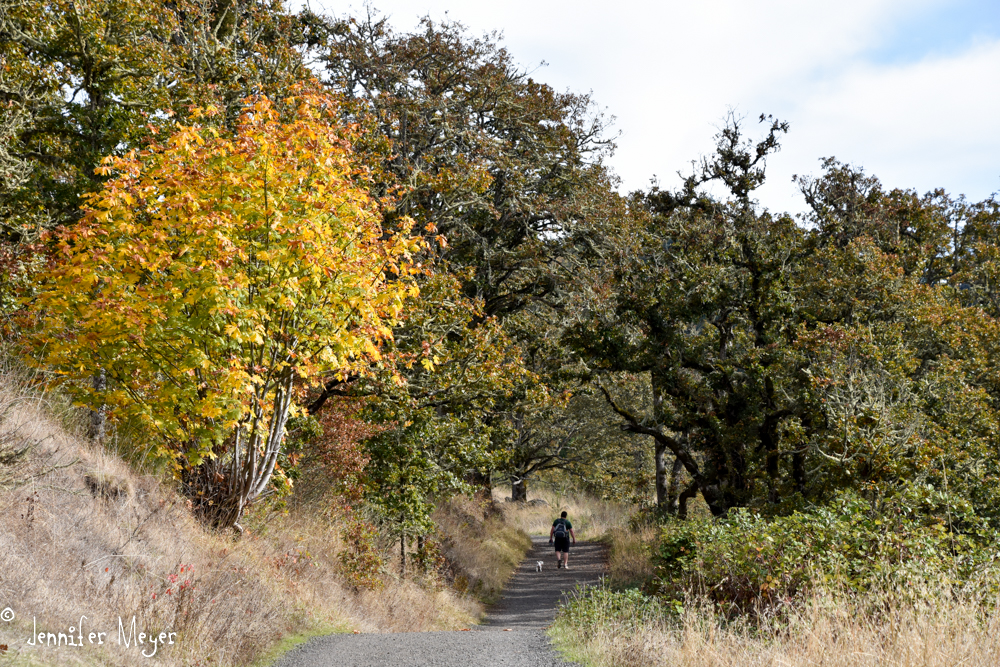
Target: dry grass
column 84, row 534
column 482, row 548
column 629, row 560
column 592, row 518
column 828, row 631
column 877, row 629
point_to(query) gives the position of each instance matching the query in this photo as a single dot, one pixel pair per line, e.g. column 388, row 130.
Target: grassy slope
column 87, row 535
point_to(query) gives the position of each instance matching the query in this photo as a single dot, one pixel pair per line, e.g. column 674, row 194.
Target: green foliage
column 920, row 536
column 114, row 59
column 437, row 427
column 361, row 562
column 503, row 166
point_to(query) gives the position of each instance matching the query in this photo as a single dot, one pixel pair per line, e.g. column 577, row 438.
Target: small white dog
column 538, row 568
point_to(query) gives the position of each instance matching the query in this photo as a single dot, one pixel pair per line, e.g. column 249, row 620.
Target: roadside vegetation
column 878, row 628
column 87, row 533
column 838, row 585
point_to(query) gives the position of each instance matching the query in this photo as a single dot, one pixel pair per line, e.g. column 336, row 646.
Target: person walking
column 562, row 530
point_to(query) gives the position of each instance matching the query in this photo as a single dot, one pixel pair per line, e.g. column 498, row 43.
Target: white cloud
column 934, row 123
column 670, row 70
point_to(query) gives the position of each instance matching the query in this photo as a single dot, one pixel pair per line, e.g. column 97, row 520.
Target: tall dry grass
column 629, row 561
column 482, row 547
column 826, row 630
column 86, row 535
column 592, row 517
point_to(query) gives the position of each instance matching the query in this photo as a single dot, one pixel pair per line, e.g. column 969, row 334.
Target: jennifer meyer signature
column 76, row 636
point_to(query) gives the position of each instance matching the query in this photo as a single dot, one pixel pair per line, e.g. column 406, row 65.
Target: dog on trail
column 538, row 568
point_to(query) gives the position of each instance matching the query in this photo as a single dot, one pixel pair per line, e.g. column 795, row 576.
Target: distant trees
column 573, row 439
column 211, row 278
column 538, row 443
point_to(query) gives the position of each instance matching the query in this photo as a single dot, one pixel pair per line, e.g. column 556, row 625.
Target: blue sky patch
column 943, row 30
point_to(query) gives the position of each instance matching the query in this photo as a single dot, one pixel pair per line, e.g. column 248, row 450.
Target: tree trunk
column 519, row 490
column 673, row 487
column 482, row 484
column 97, row 428
column 686, row 495
column 402, row 556
column 799, row 471
column 659, row 448
column 224, row 487
column 662, row 491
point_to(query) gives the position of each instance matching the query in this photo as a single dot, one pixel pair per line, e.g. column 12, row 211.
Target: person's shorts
column 562, row 544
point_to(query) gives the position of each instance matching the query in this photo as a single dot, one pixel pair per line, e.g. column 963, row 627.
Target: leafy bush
column 360, row 562
column 746, row 560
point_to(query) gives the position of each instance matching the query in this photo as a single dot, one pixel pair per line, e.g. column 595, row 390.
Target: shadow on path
column 532, row 598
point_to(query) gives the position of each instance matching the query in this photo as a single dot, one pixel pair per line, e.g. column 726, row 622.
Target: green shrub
column 921, row 536
column 360, row 562
column 591, row 609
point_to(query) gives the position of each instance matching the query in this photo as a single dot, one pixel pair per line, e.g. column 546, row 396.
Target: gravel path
column 513, row 634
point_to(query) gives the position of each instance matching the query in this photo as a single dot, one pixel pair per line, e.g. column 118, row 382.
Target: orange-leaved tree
column 212, row 279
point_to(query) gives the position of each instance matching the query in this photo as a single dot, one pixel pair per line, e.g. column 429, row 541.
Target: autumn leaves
column 215, row 275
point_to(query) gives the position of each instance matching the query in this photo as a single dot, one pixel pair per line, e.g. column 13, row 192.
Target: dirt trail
column 531, row 599
column 513, row 634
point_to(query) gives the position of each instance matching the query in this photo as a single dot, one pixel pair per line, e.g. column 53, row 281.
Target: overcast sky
column 907, row 89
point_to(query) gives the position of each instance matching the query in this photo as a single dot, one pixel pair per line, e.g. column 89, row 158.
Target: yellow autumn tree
column 212, row 279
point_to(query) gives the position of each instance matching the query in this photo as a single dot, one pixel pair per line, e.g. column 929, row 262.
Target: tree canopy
column 423, row 249
column 214, row 275
column 789, row 361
